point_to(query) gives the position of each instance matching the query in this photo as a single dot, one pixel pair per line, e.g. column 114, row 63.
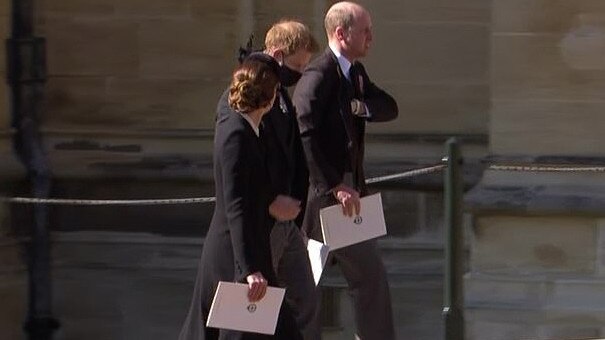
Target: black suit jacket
column 284, row 153
column 332, row 137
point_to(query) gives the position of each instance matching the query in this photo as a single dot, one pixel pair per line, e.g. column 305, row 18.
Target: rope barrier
column 411, row 173
column 547, row 168
column 194, row 200
column 65, row 201
column 372, row 180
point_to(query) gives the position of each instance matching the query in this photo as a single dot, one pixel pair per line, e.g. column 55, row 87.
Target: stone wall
column 547, row 72
column 136, row 82
column 129, row 109
column 536, row 250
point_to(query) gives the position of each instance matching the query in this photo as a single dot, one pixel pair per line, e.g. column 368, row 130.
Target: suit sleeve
column 311, row 99
column 381, row 104
column 238, row 196
column 300, row 186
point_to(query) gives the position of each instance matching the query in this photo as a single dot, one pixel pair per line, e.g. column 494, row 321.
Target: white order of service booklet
column 318, row 255
column 231, row 309
column 340, row 230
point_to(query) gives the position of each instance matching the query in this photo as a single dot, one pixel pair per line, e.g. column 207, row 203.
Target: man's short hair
column 290, row 36
column 339, row 16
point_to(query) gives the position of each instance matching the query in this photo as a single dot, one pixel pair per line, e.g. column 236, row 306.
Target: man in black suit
column 334, row 100
column 291, row 44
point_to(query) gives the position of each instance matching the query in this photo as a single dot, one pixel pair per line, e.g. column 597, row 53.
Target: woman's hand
column 257, row 286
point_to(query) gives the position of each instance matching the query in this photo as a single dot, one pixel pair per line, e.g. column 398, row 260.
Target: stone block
column 412, row 52
column 188, row 48
column 533, row 245
column 76, row 8
column 502, row 324
column 432, row 11
column 165, row 103
column 541, row 16
column 216, row 8
column 153, row 8
column 534, row 292
column 539, row 67
column 105, row 153
column 534, row 127
column 73, row 101
column 437, row 108
column 92, row 47
column 504, row 291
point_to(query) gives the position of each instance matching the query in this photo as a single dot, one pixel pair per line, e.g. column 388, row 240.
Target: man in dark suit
column 334, row 100
column 291, row 44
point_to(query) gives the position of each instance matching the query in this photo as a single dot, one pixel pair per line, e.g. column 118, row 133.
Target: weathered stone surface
column 537, row 193
column 437, row 108
column 431, row 11
column 533, row 245
column 153, row 8
column 68, row 8
column 92, row 47
column 72, row 101
column 537, row 67
column 152, row 155
column 215, row 8
column 500, row 324
column 450, row 52
column 102, row 283
column 187, row 48
column 166, row 103
column 542, row 16
column 534, row 292
column 566, row 128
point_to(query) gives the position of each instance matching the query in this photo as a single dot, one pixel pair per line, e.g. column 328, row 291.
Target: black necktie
column 356, row 80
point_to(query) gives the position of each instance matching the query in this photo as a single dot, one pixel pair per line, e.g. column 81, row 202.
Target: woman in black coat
column 237, row 247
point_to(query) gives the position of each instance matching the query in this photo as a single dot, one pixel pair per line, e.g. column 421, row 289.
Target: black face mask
column 288, row 77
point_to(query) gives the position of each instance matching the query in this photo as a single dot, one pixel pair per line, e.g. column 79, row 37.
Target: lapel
column 345, row 93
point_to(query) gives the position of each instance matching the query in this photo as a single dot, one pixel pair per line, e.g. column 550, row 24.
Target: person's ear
column 279, row 55
column 340, row 33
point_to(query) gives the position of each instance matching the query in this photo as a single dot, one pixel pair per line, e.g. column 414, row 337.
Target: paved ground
column 131, row 287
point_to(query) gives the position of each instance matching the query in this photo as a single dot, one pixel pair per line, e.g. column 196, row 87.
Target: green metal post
column 454, row 238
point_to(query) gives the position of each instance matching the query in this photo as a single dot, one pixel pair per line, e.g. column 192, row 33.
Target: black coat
column 332, row 137
column 285, row 157
column 238, row 241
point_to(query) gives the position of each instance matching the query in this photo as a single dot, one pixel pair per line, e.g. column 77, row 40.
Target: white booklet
column 340, row 230
column 318, row 255
column 231, row 309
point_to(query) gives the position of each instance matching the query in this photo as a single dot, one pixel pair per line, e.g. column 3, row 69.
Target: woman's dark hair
column 252, row 86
